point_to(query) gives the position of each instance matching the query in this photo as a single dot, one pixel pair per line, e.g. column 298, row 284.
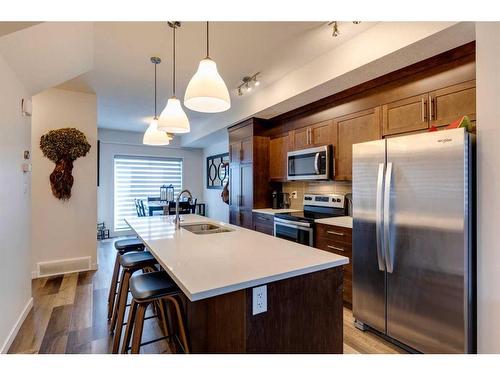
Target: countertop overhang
column 207, row 265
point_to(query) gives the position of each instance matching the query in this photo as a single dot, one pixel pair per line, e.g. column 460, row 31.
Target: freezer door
column 367, row 258
column 426, row 241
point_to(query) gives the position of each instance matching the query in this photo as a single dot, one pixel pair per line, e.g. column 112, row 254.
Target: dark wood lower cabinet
column 263, row 223
column 304, row 315
column 337, row 240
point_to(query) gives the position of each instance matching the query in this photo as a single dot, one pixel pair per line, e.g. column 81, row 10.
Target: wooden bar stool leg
column 180, row 321
column 162, row 316
column 138, row 327
column 117, row 304
column 112, row 289
column 121, row 307
column 130, row 325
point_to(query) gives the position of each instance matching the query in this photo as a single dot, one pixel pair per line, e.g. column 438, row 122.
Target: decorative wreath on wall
column 63, row 147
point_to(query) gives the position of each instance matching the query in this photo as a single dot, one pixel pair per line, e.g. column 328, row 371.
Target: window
column 140, row 178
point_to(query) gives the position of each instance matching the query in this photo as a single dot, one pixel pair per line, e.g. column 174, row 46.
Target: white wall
column 64, row 229
column 488, row 185
column 15, row 277
column 114, row 142
column 215, row 207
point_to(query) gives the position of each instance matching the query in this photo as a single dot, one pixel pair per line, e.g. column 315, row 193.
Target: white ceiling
column 122, row 74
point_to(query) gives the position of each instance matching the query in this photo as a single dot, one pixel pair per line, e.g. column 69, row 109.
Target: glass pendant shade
column 173, row 119
column 155, row 137
column 207, row 92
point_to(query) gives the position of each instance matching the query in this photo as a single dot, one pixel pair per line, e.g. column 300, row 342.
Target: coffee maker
column 280, row 200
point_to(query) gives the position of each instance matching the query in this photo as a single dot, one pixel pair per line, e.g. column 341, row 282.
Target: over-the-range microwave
column 311, row 164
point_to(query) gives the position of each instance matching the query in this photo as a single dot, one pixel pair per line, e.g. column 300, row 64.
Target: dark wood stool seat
column 122, row 247
column 153, row 287
column 129, row 262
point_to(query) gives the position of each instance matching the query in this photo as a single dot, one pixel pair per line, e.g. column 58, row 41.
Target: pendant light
column 153, row 136
column 207, row 92
column 173, row 119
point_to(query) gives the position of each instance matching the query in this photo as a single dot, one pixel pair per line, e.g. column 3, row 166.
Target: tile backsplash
column 320, row 187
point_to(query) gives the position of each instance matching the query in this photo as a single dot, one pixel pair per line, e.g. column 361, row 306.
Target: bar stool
column 130, row 262
column 146, row 289
column 122, row 247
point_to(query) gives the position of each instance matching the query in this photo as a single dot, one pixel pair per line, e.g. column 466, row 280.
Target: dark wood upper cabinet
column 406, row 115
column 318, row 134
column 300, row 138
column 450, row 103
column 354, row 128
column 278, row 149
column 436, row 108
column 247, row 150
column 322, row 134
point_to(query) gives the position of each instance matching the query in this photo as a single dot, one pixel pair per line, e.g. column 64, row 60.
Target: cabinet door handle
column 424, row 117
column 336, row 248
column 433, row 110
column 430, row 109
column 335, row 233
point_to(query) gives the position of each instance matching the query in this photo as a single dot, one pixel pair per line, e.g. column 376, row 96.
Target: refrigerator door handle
column 389, row 255
column 379, row 217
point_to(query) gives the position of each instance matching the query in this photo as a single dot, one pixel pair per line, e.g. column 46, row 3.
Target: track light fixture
column 335, row 28
column 247, row 83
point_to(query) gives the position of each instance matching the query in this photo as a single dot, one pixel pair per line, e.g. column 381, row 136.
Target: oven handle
column 292, row 224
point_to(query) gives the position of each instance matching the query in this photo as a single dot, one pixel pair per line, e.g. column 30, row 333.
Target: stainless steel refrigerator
column 413, row 240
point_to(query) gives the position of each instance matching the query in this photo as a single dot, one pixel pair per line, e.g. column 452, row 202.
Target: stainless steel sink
column 206, row 228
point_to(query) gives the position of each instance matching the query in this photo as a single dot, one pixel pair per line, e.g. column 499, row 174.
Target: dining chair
column 142, row 208
column 184, row 208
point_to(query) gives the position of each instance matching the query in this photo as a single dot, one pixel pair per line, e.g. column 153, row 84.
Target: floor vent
column 59, row 267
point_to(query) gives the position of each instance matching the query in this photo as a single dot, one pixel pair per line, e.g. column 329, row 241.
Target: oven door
column 293, row 231
column 309, row 164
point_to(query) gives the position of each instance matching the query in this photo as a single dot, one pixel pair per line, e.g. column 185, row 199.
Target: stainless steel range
column 299, row 226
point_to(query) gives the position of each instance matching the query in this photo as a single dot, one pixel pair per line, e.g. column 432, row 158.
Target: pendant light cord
column 173, row 78
column 207, row 41
column 155, row 93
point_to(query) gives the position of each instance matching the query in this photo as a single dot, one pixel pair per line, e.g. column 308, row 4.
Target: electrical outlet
column 259, row 299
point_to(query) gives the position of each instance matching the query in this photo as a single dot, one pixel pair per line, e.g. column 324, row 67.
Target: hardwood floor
column 69, row 315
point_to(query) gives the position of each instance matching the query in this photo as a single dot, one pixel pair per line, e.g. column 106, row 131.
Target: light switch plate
column 259, row 299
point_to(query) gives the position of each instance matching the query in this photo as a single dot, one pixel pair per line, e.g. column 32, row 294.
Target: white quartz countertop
column 207, row 265
column 273, row 211
column 340, row 221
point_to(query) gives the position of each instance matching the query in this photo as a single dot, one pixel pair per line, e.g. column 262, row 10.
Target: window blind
column 140, row 178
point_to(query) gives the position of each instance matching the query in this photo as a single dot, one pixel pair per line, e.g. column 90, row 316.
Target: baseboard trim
column 15, row 330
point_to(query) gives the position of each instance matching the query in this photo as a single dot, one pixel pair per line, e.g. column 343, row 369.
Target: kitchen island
column 217, row 272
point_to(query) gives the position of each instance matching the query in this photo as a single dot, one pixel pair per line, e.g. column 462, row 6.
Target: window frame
column 121, row 230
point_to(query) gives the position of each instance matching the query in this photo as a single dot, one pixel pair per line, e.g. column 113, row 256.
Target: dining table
column 161, row 205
